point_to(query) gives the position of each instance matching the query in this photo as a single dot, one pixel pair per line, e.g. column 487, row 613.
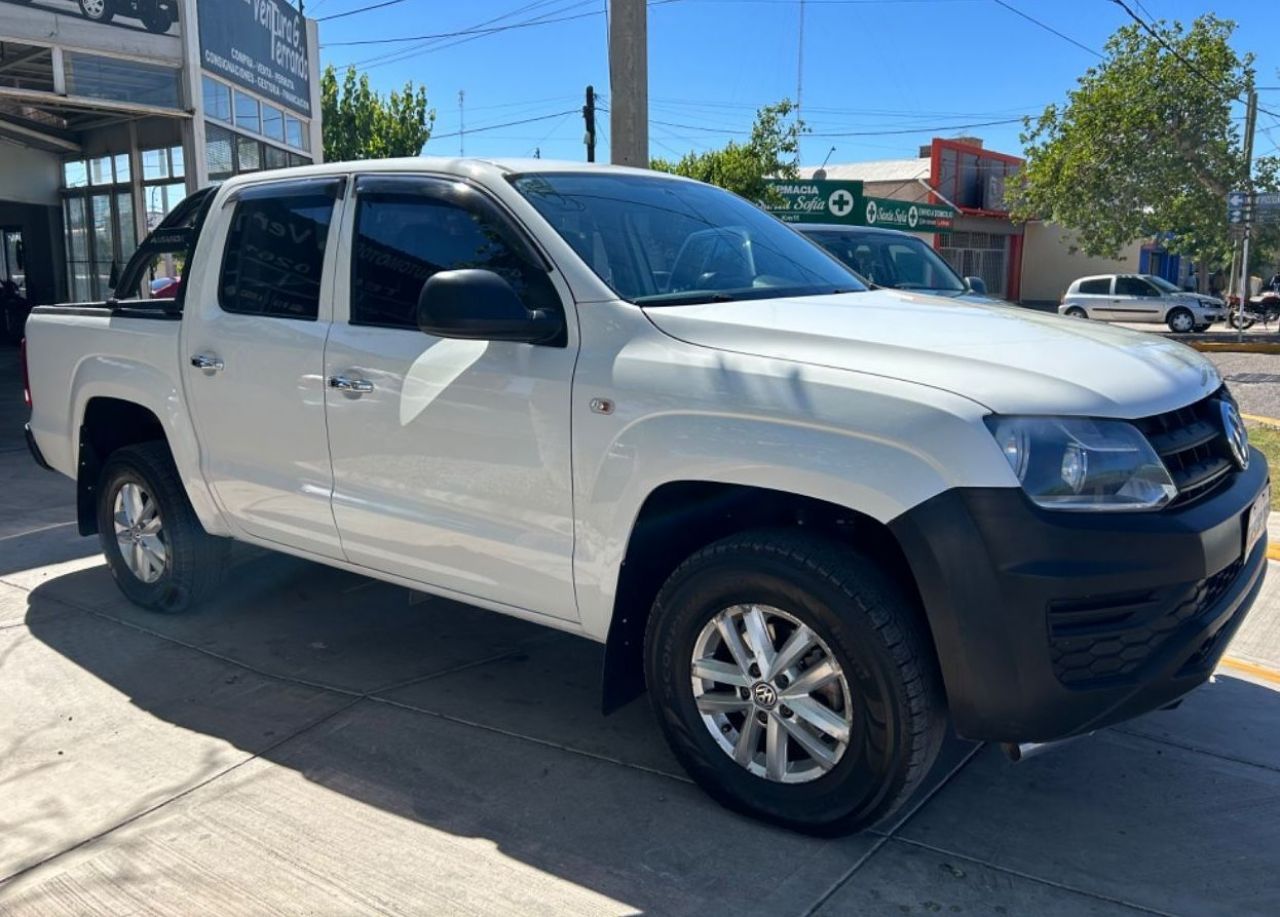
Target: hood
column 1008, row 358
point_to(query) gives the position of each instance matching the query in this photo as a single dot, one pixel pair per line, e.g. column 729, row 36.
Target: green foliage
column 772, row 151
column 360, row 124
column 1146, row 144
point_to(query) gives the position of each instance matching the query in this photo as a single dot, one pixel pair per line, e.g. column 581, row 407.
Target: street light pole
column 629, row 83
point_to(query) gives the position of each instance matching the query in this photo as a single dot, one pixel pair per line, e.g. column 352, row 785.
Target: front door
column 1135, row 300
column 253, row 360
column 451, row 458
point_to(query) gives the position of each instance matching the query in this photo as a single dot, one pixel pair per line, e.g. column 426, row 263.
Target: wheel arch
column 680, row 517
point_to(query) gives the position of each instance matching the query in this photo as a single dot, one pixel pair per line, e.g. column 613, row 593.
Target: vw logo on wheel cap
column 1237, row 436
column 764, row 694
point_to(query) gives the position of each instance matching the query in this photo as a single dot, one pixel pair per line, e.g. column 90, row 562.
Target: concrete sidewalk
column 319, row 743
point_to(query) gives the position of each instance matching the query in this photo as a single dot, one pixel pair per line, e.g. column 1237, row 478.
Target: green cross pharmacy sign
column 908, row 215
column 805, row 200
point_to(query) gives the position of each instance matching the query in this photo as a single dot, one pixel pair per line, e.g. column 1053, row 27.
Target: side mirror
column 479, row 305
column 976, row 285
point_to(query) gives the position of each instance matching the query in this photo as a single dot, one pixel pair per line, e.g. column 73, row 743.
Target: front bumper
column 1051, row 624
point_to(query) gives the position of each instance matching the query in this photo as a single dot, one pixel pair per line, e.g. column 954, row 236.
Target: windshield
column 1164, row 285
column 658, row 241
column 890, row 260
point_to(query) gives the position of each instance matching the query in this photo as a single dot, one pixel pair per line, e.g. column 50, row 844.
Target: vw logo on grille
column 1237, row 436
column 764, row 694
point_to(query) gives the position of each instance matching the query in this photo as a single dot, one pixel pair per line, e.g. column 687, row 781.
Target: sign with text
column 805, row 200
column 1245, row 209
column 908, row 215
column 260, row 45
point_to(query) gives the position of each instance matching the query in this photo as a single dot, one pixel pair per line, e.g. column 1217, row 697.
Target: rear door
column 257, row 313
column 1094, row 296
column 451, row 458
column 1136, row 300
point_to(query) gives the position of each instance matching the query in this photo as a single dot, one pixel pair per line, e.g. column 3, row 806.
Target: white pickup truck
column 818, row 523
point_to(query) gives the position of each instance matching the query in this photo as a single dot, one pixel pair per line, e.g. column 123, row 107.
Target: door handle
column 207, row 363
column 347, row 384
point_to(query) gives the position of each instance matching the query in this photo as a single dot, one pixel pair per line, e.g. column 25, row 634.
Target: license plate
column 1257, row 525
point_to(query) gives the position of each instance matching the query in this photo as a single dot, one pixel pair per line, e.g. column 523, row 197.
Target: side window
column 405, row 237
column 1134, row 286
column 275, row 252
column 1100, row 286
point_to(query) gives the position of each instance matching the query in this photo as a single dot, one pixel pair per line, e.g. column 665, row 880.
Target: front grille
column 1096, row 640
column 1193, row 446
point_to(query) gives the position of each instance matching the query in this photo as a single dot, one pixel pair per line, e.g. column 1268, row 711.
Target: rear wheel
column 793, row 681
column 157, row 20
column 1076, row 312
column 1180, row 321
column 158, row 553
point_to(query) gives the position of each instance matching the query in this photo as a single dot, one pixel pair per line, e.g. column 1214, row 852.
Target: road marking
column 1258, row 418
column 1273, row 552
column 1251, row 668
column 1233, row 347
column 37, row 531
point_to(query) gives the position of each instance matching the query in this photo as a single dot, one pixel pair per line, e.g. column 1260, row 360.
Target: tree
column 360, row 124
column 1146, row 144
column 772, row 151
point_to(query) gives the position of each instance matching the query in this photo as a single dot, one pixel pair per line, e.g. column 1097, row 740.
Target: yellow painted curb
column 1250, row 668
column 1235, row 347
column 1258, row 418
column 1273, row 552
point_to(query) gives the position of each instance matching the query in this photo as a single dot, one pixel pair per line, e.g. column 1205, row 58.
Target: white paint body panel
column 480, row 471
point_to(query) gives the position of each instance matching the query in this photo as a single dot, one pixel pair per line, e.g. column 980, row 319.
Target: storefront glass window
column 100, row 170
column 155, row 164
column 248, row 154
column 295, row 135
column 75, row 174
column 121, row 80
column 274, row 158
column 217, row 100
column 103, row 241
column 272, row 122
column 247, row 117
column 122, row 167
column 219, row 153
column 177, row 162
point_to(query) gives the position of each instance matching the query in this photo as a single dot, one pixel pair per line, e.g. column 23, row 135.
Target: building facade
column 111, row 114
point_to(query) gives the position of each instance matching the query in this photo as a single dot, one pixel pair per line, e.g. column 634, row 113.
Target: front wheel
column 157, row 20
column 1076, row 312
column 97, row 10
column 794, row 682
column 1180, row 321
column 1241, row 320
column 158, row 553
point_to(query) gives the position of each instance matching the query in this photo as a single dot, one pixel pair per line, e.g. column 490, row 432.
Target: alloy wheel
column 93, row 8
column 140, row 532
column 771, row 693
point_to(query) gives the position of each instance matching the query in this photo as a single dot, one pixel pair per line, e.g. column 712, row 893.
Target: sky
column 891, row 73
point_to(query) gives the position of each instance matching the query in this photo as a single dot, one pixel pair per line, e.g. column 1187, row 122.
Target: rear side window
column 403, row 237
column 275, row 251
column 1098, row 287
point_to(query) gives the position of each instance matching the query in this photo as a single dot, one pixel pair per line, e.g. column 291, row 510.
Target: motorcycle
column 156, row 15
column 1265, row 309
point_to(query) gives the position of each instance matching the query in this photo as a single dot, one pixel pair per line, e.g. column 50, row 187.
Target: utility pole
column 589, row 120
column 1250, row 123
column 462, row 123
column 629, row 83
column 800, row 76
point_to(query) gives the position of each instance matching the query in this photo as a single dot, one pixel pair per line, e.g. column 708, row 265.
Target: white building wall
column 29, row 176
column 1049, row 264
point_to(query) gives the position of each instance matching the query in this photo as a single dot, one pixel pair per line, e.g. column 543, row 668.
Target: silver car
column 1140, row 298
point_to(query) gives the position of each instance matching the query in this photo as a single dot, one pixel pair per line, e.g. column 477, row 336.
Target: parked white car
column 1141, row 298
column 820, row 524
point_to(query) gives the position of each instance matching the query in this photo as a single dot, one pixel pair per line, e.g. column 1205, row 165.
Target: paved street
column 319, row 743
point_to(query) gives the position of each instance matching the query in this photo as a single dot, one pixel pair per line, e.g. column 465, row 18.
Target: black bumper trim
column 35, row 449
column 990, row 566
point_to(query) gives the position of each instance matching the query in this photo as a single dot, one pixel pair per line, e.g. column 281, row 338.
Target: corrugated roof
column 879, row 170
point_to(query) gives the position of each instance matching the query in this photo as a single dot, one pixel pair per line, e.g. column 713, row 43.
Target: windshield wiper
column 692, row 298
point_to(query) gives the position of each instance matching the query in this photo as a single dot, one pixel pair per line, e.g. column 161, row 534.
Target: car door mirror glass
column 976, row 285
column 481, row 305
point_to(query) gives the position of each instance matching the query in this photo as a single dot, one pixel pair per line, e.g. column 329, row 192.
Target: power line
column 494, row 127
column 1048, row 28
column 363, row 9
column 461, row 32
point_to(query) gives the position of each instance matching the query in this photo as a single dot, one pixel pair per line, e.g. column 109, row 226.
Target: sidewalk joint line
column 1195, row 749
column 38, row 530
column 884, row 839
column 1010, row 871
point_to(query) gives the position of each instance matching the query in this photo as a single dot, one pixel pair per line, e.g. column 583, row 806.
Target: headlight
column 1076, row 463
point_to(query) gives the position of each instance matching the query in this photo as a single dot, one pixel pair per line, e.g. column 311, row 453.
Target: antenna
column 828, row 159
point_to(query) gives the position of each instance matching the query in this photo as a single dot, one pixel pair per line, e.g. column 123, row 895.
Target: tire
column 1076, row 312
column 887, row 695
column 1200, row 329
column 1240, row 321
column 1180, row 321
column 157, row 20
column 190, row 560
column 97, row 10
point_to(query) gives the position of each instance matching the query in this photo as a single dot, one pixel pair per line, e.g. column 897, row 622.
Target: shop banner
column 805, row 200
column 907, row 215
column 260, row 45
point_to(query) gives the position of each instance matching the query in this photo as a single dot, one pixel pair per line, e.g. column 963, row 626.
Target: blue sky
column 869, row 66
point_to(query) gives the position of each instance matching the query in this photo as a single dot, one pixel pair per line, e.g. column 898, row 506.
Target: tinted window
column 1098, row 287
column 275, row 253
column 404, row 237
column 1134, row 286
column 660, row 240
